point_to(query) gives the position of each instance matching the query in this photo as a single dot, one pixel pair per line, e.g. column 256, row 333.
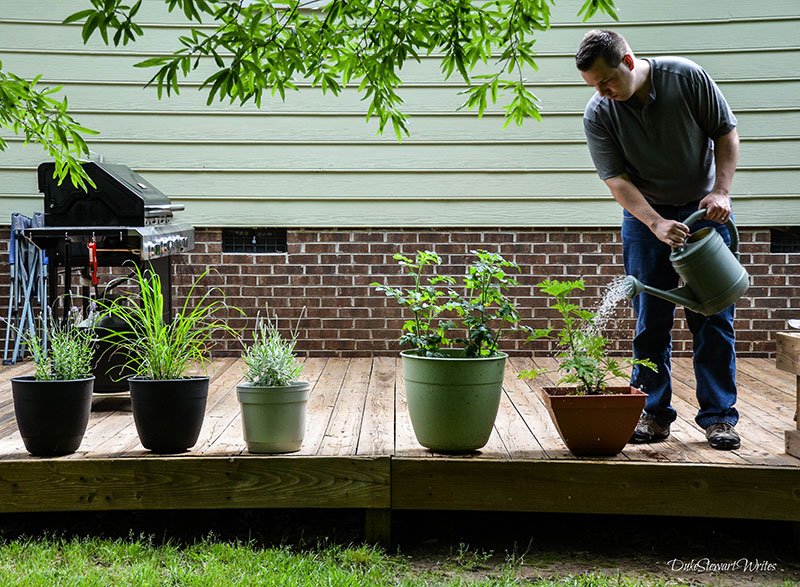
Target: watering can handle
column 734, row 233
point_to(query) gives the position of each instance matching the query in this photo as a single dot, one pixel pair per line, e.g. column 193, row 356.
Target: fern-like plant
column 270, row 360
column 582, row 356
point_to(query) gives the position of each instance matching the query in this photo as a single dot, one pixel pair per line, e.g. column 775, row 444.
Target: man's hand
column 718, row 207
column 671, row 232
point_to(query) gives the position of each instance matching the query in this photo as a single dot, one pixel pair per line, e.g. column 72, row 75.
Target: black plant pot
column 52, row 415
column 168, row 413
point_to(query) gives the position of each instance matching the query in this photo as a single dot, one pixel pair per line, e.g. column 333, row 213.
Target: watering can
column 712, row 275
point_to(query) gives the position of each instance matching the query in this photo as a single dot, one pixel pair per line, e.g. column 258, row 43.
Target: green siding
column 313, row 161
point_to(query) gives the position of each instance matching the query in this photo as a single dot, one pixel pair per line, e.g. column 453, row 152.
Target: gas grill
column 127, row 217
column 123, row 219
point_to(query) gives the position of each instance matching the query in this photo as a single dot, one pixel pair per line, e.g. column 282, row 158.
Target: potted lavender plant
column 52, row 406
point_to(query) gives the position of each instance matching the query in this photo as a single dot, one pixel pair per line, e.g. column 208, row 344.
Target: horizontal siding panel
column 601, row 211
column 313, row 161
column 375, row 155
column 655, row 37
column 497, row 185
column 91, row 66
column 237, row 125
column 765, row 94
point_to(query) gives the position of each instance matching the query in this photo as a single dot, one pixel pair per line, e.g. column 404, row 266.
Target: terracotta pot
column 595, row 425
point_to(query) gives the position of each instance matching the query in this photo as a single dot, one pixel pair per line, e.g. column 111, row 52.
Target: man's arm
column 726, row 154
column 629, row 197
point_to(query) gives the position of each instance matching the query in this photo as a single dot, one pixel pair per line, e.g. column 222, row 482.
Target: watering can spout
column 681, row 296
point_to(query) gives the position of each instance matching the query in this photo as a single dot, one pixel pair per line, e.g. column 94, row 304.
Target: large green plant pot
column 274, row 418
column 52, row 415
column 453, row 400
column 168, row 413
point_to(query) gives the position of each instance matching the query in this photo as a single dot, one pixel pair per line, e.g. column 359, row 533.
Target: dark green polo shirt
column 666, row 145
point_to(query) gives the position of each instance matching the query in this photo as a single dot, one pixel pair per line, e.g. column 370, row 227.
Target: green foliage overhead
column 264, row 46
column 37, row 115
column 261, row 46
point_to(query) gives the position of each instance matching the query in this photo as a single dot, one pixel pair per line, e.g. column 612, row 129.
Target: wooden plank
column 519, row 439
column 377, row 425
column 222, row 410
column 609, row 487
column 765, row 369
column 194, row 482
column 793, row 443
column 322, row 402
column 787, row 357
column 342, row 433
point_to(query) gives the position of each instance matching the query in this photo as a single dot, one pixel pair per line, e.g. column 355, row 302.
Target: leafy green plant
column 582, row 356
column 270, row 359
column 66, row 354
column 481, row 311
column 160, row 349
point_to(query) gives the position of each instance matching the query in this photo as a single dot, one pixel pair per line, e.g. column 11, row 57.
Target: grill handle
column 160, row 209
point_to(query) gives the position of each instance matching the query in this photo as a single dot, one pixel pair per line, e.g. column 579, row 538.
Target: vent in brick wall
column 254, row 240
column 784, row 240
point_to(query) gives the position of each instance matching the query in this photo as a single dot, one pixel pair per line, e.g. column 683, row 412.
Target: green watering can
column 713, row 277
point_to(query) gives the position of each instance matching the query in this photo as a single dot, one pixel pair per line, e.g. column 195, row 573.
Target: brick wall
column 329, row 273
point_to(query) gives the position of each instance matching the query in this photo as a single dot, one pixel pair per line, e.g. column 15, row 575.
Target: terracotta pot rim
column 616, row 390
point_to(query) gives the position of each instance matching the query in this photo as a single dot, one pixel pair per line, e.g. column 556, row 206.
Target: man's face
column 615, row 83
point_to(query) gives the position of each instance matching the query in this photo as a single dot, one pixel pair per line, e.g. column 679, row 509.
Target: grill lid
column 121, row 197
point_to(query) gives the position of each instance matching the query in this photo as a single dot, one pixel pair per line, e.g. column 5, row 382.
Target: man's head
column 607, row 63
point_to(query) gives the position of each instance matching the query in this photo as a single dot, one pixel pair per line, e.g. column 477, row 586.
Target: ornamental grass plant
column 161, row 349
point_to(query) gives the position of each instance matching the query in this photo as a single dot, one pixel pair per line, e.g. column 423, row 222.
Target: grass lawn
column 325, row 548
column 52, row 561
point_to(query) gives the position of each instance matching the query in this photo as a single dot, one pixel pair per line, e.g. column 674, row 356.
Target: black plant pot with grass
column 52, row 415
column 168, row 413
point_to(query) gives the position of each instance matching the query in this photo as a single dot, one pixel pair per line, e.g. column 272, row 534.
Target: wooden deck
column 360, row 452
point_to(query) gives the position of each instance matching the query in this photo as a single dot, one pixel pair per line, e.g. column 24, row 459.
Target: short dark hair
column 609, row 45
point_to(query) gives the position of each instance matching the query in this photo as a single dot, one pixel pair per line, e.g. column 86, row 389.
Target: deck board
column 360, row 450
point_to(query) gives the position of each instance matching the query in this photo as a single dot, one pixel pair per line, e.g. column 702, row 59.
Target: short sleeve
column 605, row 152
column 711, row 109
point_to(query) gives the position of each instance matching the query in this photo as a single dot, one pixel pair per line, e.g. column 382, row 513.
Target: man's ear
column 627, row 59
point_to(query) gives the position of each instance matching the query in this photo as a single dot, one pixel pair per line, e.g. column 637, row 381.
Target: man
column 664, row 140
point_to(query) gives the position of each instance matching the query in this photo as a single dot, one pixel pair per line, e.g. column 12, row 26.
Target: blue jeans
column 647, row 259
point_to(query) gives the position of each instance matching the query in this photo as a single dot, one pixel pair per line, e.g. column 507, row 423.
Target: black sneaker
column 648, row 430
column 723, row 436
